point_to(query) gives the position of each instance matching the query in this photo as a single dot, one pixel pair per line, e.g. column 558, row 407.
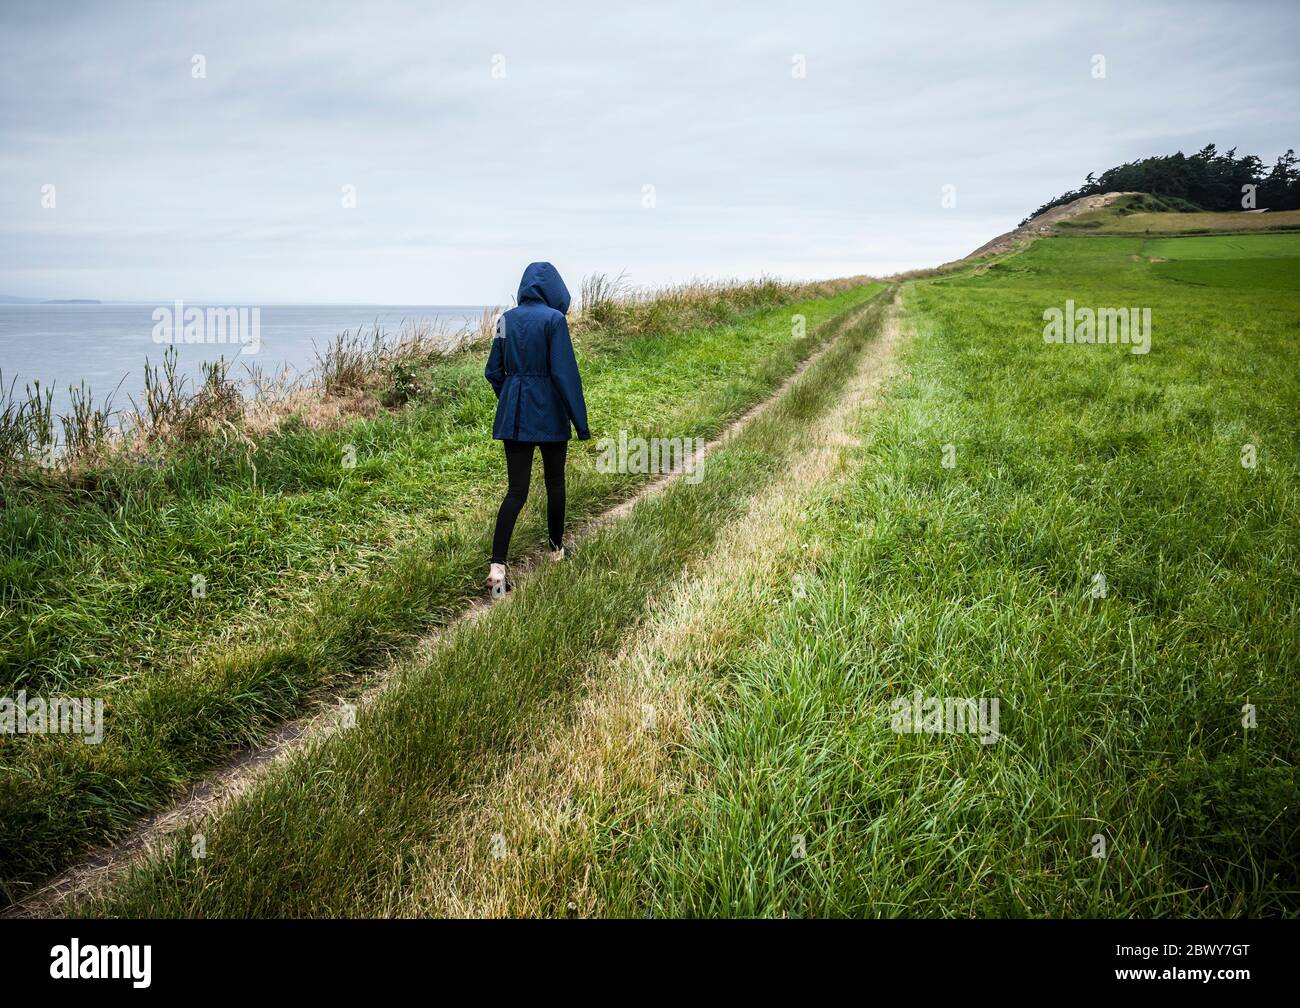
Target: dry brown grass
column 1173, row 224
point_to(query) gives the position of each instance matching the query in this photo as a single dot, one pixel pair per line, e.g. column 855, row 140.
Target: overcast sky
column 229, row 187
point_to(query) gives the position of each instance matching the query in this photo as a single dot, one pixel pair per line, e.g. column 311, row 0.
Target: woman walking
column 539, row 394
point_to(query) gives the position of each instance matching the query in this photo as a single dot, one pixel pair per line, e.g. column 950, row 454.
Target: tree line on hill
column 1207, row 180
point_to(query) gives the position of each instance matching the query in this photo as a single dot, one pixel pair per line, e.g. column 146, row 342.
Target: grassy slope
column 313, row 570
column 337, row 829
column 1121, row 716
column 1122, row 218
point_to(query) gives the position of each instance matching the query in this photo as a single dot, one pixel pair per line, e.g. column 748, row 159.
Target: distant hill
column 1043, row 222
column 1133, row 213
column 1205, row 181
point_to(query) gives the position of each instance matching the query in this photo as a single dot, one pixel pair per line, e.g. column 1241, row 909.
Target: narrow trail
column 603, row 753
column 209, row 796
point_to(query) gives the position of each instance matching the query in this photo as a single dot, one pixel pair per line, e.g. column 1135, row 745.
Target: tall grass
column 1121, row 714
column 169, row 412
column 308, row 843
column 13, row 432
column 314, row 570
column 27, row 427
column 88, row 432
column 613, row 303
column 351, row 365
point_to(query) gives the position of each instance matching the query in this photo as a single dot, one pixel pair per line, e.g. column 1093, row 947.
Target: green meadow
column 1261, row 262
column 312, row 571
column 707, row 709
column 1147, row 759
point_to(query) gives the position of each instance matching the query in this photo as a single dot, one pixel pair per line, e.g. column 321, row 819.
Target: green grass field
column 1238, row 262
column 1121, row 716
column 695, row 715
column 346, row 841
column 313, row 571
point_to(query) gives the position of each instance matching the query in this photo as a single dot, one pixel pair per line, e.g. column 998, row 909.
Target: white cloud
column 228, row 188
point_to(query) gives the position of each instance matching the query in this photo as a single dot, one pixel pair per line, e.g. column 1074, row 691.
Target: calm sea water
column 103, row 345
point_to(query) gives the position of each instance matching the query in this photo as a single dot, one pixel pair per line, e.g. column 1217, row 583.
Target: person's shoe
column 557, row 554
column 496, row 580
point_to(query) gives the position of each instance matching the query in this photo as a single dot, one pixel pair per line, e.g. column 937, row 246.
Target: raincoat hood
column 541, row 282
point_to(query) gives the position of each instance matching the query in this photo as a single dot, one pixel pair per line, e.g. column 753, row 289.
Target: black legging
column 519, row 472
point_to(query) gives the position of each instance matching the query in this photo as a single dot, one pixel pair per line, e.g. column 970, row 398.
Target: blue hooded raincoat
column 532, row 368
